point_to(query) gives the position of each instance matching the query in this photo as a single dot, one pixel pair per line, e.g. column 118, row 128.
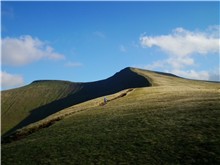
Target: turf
column 18, row 103
column 176, row 121
column 29, row 104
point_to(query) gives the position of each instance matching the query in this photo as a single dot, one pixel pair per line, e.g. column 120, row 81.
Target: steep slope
column 18, row 103
column 175, row 121
column 40, row 99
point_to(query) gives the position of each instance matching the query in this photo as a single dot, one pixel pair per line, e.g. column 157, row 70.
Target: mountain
column 153, row 118
column 42, row 98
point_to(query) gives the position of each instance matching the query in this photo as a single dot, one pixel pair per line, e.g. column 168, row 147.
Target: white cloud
column 215, row 74
column 25, row 49
column 155, row 65
column 192, row 74
column 181, row 46
column 182, row 42
column 171, row 62
column 180, row 62
column 11, row 80
column 73, row 64
column 122, row 48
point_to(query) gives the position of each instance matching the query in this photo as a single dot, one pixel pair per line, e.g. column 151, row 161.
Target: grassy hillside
column 175, row 121
column 18, row 103
column 40, row 99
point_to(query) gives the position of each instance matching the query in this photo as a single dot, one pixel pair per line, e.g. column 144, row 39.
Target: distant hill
column 42, row 98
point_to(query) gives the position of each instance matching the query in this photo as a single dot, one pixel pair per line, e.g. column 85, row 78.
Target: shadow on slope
column 122, row 80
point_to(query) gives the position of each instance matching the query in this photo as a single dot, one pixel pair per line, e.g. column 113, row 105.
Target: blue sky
column 89, row 41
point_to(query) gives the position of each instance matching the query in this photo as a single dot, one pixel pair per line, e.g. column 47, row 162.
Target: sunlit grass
column 17, row 104
column 156, row 125
column 176, row 121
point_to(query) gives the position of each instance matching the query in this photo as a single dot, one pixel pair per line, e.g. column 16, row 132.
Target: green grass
column 29, row 104
column 176, row 121
column 18, row 103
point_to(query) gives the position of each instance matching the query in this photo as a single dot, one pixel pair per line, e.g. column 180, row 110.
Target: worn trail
column 24, row 132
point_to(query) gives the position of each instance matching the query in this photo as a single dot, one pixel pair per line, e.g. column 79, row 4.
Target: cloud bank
column 25, row 50
column 181, row 46
column 182, row 42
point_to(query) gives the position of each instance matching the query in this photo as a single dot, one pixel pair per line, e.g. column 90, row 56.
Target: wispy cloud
column 213, row 75
column 122, row 48
column 181, row 46
column 11, row 80
column 134, row 44
column 192, row 74
column 25, row 49
column 73, row 64
column 99, row 34
column 7, row 11
column 186, row 73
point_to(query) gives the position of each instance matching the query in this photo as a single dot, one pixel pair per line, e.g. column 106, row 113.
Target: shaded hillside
column 177, row 121
column 42, row 98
